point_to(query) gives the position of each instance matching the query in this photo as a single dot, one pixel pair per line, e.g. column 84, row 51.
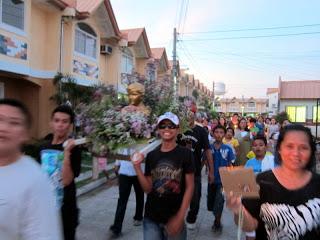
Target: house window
column 127, row 62
column 151, row 74
column 1, row 90
column 251, row 104
column 12, row 13
column 86, row 40
column 297, row 113
column 315, row 113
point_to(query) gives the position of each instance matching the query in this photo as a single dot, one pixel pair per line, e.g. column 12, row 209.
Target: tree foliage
column 68, row 91
column 280, row 117
column 195, row 94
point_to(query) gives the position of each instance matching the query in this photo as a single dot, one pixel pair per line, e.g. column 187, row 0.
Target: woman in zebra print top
column 289, row 204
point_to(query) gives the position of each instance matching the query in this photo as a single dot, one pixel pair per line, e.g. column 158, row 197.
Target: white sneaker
column 191, row 226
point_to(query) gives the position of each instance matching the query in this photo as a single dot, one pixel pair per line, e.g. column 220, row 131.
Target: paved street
column 98, row 209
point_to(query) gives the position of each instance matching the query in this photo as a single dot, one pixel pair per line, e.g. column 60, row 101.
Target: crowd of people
column 38, row 201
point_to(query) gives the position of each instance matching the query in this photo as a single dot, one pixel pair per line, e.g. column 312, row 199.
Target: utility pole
column 174, row 67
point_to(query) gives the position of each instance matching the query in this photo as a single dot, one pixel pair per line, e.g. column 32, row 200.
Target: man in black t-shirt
column 168, row 181
column 197, row 140
column 63, row 166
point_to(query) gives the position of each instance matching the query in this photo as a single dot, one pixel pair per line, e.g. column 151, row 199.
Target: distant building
column 246, row 106
column 273, row 100
column 299, row 99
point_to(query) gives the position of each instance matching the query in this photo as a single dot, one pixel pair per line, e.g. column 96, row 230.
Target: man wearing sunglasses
column 168, row 181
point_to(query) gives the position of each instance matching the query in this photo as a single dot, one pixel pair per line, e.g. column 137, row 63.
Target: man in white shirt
column 27, row 203
column 127, row 177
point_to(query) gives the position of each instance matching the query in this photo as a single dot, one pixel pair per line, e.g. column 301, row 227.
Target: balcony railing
column 250, row 109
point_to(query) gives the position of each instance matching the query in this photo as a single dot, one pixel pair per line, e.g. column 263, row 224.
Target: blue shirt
column 261, row 165
column 255, row 164
column 222, row 157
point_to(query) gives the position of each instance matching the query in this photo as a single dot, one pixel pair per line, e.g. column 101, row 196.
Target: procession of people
column 281, row 155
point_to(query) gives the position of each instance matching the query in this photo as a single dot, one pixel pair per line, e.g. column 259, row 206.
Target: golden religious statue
column 135, row 94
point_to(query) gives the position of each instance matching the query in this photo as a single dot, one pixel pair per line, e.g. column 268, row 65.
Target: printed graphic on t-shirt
column 51, row 163
column 224, row 153
column 283, row 221
column 189, row 141
column 166, row 179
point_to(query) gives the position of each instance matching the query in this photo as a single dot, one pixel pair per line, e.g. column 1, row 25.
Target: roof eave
column 61, row 4
column 113, row 19
column 107, row 4
column 146, row 41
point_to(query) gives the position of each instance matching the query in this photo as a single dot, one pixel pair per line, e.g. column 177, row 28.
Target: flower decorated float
column 118, row 127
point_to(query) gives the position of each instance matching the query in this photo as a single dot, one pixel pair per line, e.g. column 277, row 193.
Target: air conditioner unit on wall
column 106, row 49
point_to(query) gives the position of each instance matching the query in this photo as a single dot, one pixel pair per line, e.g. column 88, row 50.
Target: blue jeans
column 156, row 231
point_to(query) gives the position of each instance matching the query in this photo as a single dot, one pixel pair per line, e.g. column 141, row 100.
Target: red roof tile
column 272, row 90
column 300, row 89
column 88, row 6
column 157, row 53
column 132, row 35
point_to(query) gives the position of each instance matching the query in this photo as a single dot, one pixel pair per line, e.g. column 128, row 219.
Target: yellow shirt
column 252, row 155
column 234, row 142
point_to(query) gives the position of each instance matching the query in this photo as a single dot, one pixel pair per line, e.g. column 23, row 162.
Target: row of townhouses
column 246, row 106
column 39, row 38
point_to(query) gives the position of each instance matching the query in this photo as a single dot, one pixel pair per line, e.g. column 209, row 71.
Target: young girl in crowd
column 289, row 203
column 223, row 122
column 243, row 136
column 260, row 125
column 213, row 124
column 273, row 128
column 231, row 141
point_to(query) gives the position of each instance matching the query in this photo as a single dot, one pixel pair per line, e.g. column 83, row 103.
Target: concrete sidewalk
column 97, row 210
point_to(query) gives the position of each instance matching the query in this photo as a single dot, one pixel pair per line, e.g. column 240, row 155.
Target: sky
column 246, row 44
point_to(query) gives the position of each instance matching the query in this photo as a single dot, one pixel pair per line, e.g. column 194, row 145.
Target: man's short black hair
column 22, row 108
column 219, row 127
column 262, row 138
column 230, row 128
column 64, row 109
column 252, row 120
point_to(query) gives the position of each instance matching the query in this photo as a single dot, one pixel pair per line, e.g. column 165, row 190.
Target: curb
column 91, row 186
column 94, row 185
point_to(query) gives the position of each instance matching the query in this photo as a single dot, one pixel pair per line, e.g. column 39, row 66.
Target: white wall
column 313, row 130
column 273, row 103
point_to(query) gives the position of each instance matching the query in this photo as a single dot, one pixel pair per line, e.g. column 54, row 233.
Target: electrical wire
column 251, row 37
column 185, row 18
column 256, row 29
column 192, row 60
column 181, row 14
